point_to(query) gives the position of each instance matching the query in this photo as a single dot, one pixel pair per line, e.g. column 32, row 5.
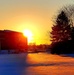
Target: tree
column 61, row 30
column 72, row 33
column 62, row 33
column 69, row 10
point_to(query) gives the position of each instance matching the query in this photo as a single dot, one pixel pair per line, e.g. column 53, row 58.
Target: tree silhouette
column 62, row 34
column 72, row 33
column 61, row 30
column 69, row 10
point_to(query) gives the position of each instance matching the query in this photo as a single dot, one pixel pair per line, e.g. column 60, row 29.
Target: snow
column 36, row 64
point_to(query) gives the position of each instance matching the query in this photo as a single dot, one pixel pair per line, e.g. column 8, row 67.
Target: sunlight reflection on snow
column 47, row 64
column 36, row 64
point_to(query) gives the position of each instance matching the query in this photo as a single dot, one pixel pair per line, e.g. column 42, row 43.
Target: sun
column 28, row 34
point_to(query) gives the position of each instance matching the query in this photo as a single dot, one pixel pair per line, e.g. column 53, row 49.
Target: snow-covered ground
column 36, row 64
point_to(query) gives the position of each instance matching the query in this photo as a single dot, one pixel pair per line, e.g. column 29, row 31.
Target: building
column 12, row 40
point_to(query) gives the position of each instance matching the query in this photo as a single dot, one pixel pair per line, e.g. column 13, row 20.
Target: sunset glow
column 29, row 35
column 34, row 15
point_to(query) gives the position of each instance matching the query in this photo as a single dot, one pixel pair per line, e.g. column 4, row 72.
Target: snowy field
column 36, row 64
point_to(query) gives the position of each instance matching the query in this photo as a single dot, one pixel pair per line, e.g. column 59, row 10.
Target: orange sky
column 35, row 15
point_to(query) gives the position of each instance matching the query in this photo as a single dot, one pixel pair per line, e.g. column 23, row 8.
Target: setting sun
column 28, row 34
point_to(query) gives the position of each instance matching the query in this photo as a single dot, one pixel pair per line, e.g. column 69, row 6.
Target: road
column 36, row 64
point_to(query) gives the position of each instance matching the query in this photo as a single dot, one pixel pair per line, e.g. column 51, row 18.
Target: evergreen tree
column 72, row 33
column 61, row 30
